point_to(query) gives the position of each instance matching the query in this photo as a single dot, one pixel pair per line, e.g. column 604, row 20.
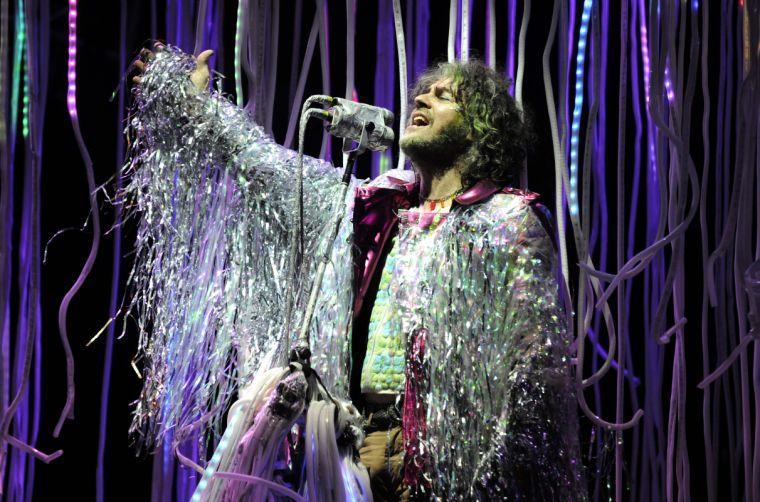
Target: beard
column 435, row 156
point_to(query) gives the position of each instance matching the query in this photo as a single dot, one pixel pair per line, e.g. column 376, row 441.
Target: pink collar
column 485, row 188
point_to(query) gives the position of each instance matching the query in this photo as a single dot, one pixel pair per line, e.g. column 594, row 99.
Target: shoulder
column 393, row 179
column 519, row 217
column 392, row 183
column 512, row 204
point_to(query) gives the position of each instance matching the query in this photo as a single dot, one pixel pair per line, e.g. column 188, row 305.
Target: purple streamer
column 6, row 224
column 422, row 17
column 511, row 38
column 115, row 273
column 296, row 50
column 620, row 257
column 68, row 409
column 324, row 55
column 385, row 75
column 25, row 406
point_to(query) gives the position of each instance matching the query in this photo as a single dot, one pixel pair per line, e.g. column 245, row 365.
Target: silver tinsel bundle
column 215, row 201
column 499, row 402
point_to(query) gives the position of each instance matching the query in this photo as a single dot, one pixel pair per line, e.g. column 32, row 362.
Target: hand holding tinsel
column 200, row 77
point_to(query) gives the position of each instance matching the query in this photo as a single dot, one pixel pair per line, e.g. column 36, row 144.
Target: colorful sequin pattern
column 383, row 369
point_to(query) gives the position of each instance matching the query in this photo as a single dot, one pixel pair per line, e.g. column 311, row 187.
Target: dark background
column 65, row 204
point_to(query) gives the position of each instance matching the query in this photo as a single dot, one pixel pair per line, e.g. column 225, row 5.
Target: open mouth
column 419, row 121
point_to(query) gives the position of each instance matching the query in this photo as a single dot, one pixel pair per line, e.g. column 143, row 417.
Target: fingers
column 204, row 56
column 146, row 56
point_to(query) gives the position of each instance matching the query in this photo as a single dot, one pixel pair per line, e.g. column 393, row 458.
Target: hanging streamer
column 402, row 73
column 23, row 409
column 491, row 34
column 464, row 30
column 385, row 75
column 71, row 102
column 452, row 30
column 241, row 9
column 422, row 19
column 325, row 151
column 115, row 268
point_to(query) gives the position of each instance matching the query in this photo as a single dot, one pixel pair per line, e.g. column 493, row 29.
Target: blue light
column 577, row 109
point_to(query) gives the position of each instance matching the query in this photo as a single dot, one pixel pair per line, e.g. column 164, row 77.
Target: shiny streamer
column 398, row 24
column 71, row 102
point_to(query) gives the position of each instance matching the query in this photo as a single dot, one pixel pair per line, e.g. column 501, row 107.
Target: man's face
column 436, row 135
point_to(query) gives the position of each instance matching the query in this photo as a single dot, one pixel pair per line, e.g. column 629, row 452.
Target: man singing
column 439, row 315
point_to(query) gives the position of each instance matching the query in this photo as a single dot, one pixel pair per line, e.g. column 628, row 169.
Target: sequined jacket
column 491, row 409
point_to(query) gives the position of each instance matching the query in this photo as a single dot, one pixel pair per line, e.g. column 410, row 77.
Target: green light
column 385, row 162
column 19, row 57
column 238, row 33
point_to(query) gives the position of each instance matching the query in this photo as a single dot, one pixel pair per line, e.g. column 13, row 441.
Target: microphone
column 349, row 119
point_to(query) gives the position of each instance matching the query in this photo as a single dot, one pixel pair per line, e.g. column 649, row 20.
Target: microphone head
column 350, row 118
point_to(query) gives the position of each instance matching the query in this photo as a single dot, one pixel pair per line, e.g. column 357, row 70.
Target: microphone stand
column 301, row 352
column 283, row 395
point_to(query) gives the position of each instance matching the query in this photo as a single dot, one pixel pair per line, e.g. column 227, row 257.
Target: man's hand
column 200, row 76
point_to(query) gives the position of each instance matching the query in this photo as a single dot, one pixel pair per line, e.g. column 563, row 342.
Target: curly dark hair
column 501, row 131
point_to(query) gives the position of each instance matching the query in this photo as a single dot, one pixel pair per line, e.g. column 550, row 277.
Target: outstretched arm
column 177, row 113
column 215, row 200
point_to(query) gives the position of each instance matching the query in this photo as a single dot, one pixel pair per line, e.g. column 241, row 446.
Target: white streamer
column 464, row 41
column 452, row 30
column 398, row 23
